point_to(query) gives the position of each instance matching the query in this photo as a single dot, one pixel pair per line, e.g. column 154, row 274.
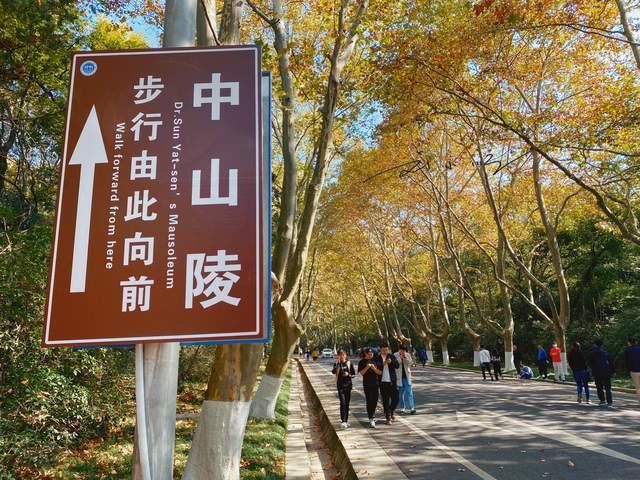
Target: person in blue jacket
column 602, row 367
column 578, row 365
column 542, row 359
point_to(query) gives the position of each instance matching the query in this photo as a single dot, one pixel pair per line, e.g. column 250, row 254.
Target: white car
column 326, row 353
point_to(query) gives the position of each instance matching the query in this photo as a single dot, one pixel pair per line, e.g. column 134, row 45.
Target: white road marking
column 449, row 451
column 553, row 434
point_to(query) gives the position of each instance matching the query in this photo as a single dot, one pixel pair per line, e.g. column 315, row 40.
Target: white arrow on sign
column 88, row 153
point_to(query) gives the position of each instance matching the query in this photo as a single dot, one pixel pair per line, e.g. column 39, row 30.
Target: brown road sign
column 160, row 228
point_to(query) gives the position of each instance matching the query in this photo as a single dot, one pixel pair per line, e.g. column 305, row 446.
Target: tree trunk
column 264, row 402
column 428, row 345
column 507, row 313
column 507, row 340
column 442, row 301
column 445, row 351
column 476, row 350
column 286, row 331
column 628, row 32
column 560, row 316
column 215, row 452
column 206, row 23
column 217, row 444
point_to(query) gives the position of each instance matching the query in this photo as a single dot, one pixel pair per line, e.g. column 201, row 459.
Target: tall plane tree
column 295, row 228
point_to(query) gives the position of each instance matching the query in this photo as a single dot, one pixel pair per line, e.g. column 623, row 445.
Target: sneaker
column 602, row 404
column 388, row 421
column 372, row 422
column 393, row 418
column 344, row 425
column 402, row 412
column 609, row 405
column 588, row 401
column 579, row 398
column 413, row 412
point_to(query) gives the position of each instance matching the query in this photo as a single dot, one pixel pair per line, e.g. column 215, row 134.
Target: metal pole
column 180, row 23
column 160, row 360
column 141, row 417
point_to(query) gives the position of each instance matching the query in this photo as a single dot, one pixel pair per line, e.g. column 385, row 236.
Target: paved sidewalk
column 298, row 464
column 367, row 459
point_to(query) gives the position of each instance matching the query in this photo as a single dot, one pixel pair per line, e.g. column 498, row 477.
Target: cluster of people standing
column 596, row 365
column 386, row 375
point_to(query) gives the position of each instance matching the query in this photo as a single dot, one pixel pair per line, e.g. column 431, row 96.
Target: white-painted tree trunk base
column 565, row 363
column 216, row 447
column 264, row 402
column 476, row 358
column 429, row 356
column 509, row 364
column 445, row 357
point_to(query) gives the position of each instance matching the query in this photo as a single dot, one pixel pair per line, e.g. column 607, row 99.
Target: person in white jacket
column 485, row 362
column 404, row 380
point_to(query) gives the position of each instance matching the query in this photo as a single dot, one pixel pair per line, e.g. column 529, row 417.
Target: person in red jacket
column 556, row 358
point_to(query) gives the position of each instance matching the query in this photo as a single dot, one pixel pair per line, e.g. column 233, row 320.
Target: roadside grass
column 263, row 451
column 618, row 381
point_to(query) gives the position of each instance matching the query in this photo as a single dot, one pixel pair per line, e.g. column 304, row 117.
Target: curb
column 539, row 380
column 298, row 466
column 340, row 457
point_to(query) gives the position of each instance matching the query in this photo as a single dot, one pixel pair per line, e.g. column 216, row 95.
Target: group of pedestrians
column 386, row 375
column 595, row 365
column 555, row 357
column 491, row 363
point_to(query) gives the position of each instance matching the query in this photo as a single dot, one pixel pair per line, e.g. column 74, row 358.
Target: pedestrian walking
column 422, row 355
column 485, row 363
column 370, row 379
column 387, row 364
column 556, row 358
column 542, row 359
column 496, row 362
column 602, row 367
column 404, row 379
column 344, row 372
column 517, row 359
column 632, row 363
column 578, row 365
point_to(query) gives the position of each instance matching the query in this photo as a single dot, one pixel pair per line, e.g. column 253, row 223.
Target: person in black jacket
column 370, row 378
column 578, row 365
column 602, row 367
column 517, row 359
column 344, row 372
column 496, row 361
column 387, row 364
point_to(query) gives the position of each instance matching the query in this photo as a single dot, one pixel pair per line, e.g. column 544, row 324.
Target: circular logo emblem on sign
column 88, row 68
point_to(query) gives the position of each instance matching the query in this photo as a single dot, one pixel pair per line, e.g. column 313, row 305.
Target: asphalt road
column 513, row 430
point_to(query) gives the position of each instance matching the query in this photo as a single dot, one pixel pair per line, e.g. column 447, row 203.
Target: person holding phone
column 403, row 376
column 344, row 372
column 370, row 374
column 387, row 364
